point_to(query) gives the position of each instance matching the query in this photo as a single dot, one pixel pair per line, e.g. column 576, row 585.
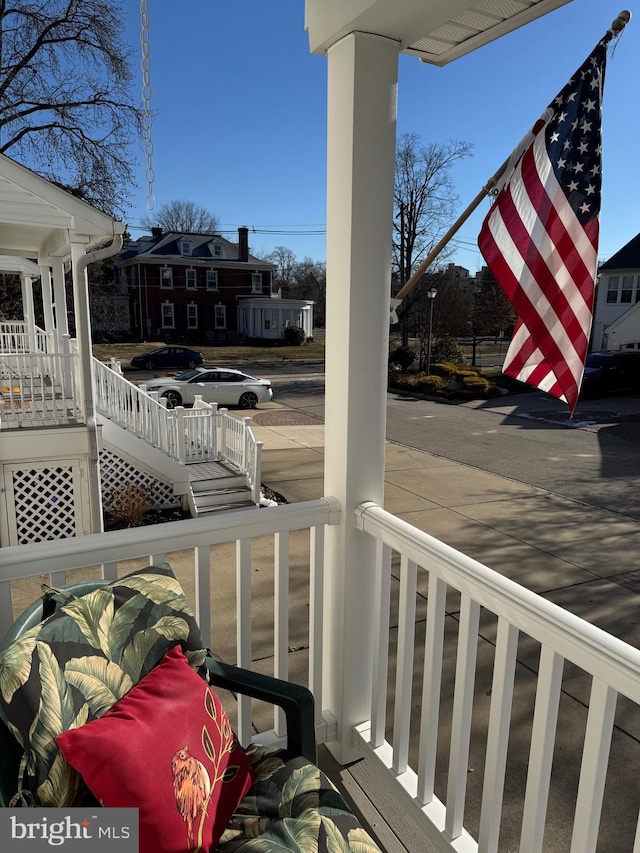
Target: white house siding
column 623, row 286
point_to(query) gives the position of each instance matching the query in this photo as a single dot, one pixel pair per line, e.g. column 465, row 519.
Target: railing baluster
column 543, row 735
column 498, row 735
column 281, row 619
column 316, row 613
column 404, row 671
column 243, row 631
column 380, row 618
column 434, row 644
column 462, row 709
column 203, row 593
column 593, row 772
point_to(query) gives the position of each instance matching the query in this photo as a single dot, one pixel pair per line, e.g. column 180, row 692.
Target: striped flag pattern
column 540, row 236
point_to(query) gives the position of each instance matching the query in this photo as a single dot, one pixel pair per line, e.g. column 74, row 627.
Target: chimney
column 156, row 232
column 243, row 243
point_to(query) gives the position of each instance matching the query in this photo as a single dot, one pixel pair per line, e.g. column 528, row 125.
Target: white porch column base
column 362, row 90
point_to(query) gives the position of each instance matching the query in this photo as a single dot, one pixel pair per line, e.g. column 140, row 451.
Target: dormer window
column 185, row 247
column 256, row 282
column 166, row 277
column 216, row 250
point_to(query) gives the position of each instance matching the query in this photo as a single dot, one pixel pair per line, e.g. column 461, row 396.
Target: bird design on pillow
column 191, row 787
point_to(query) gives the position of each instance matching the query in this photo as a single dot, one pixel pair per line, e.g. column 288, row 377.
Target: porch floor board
column 383, row 815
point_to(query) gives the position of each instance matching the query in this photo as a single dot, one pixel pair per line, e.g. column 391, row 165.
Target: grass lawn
column 222, row 354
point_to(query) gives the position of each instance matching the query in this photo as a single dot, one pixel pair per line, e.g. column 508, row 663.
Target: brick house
column 187, row 288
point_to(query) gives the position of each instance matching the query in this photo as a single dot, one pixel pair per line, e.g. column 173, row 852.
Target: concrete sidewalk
column 554, row 546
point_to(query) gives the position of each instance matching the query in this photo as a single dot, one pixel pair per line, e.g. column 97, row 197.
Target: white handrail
column 459, row 584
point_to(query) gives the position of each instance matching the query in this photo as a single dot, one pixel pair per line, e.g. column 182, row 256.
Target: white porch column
column 59, row 297
column 83, row 337
column 47, row 303
column 362, row 86
column 26, row 285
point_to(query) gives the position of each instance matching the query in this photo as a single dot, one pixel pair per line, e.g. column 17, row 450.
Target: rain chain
column 145, row 65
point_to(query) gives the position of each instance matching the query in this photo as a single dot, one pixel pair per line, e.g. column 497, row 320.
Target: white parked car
column 215, row 385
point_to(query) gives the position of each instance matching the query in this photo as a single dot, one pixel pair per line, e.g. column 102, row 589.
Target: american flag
column 540, row 237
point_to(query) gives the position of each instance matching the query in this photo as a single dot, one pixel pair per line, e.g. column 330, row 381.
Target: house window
column 212, row 279
column 627, row 289
column 166, row 277
column 167, row 315
column 270, row 320
column 191, row 280
column 192, row 316
column 612, row 289
column 256, row 282
column 216, row 250
column 220, row 321
column 185, row 247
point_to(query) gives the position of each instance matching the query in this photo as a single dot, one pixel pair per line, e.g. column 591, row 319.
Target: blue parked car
column 165, row 357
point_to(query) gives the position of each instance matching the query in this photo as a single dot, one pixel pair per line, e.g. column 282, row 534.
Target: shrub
column 447, row 350
column 402, row 358
column 444, row 369
column 294, row 336
column 129, row 504
column 477, row 385
column 430, row 384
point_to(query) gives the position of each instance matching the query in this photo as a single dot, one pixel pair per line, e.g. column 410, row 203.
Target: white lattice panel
column 45, row 501
column 114, row 471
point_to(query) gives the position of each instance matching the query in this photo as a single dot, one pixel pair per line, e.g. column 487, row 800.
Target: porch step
column 208, row 476
column 217, row 487
column 206, row 498
column 209, row 510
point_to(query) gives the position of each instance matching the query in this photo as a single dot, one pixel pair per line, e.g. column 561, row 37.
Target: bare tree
column 284, row 274
column 424, row 207
column 424, row 199
column 65, row 96
column 184, row 216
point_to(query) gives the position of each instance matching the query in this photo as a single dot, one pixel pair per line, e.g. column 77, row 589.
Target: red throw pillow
column 167, row 749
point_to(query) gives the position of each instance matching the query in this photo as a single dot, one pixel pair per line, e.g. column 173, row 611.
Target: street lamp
column 432, row 295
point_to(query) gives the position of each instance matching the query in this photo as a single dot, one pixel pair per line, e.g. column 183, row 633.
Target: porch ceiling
column 437, row 31
column 38, row 219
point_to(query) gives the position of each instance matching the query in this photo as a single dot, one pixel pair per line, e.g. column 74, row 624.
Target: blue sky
column 240, row 114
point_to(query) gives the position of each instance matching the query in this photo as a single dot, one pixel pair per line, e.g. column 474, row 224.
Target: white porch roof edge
column 11, row 264
column 437, row 32
column 38, row 217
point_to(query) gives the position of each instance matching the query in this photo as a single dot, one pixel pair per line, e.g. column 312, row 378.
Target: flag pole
column 489, row 188
column 433, row 254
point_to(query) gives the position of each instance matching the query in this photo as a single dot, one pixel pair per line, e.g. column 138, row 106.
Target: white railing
column 187, row 435
column 17, row 337
column 40, row 388
column 138, row 411
column 239, row 447
column 286, row 542
column 448, row 708
column 474, row 614
column 197, row 431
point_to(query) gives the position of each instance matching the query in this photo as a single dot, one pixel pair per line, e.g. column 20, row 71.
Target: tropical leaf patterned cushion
column 292, row 806
column 166, row 749
column 80, row 661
